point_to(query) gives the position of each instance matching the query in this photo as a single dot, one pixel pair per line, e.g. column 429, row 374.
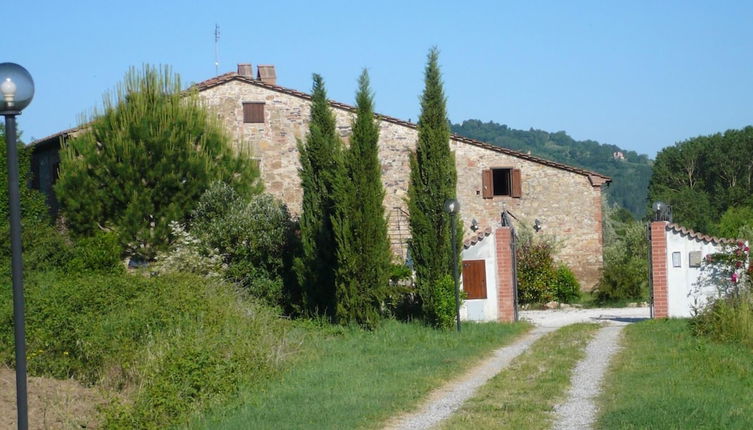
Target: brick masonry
column 505, row 284
column 568, row 203
column 659, row 268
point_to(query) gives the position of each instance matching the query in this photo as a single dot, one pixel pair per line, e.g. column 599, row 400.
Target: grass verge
column 524, row 394
column 666, row 378
column 359, row 379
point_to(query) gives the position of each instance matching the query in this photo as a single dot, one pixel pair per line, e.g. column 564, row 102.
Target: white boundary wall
column 482, row 309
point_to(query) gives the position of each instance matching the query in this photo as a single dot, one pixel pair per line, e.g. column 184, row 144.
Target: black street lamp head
column 451, row 206
column 16, row 88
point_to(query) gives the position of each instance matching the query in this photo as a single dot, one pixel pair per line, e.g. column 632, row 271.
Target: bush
column 727, row 319
column 540, row 280
column 170, row 346
column 567, row 288
column 187, row 254
column 100, row 253
column 44, row 248
column 728, row 316
column 625, row 274
column 254, row 237
column 443, row 304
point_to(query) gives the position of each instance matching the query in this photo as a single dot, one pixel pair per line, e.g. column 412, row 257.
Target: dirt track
column 53, row 404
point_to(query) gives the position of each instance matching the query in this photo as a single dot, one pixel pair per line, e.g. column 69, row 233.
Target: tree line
column 708, row 181
column 630, row 175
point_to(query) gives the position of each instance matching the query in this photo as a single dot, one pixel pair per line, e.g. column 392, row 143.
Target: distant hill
column 630, row 172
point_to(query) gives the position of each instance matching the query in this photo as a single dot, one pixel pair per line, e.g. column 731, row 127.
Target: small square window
column 676, row 259
column 253, row 113
column 501, row 181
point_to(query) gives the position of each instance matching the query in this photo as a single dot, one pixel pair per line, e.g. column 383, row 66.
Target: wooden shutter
column 253, row 113
column 516, row 190
column 474, row 279
column 487, row 189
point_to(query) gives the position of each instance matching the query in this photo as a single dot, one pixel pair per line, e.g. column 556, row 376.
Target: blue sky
column 639, row 74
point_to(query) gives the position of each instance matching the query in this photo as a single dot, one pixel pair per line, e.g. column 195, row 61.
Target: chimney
column 267, row 74
column 246, row 70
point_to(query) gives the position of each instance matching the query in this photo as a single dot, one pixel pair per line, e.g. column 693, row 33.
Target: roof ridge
column 221, row 79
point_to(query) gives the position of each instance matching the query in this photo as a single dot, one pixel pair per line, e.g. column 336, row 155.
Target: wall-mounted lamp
column 474, row 225
column 537, row 225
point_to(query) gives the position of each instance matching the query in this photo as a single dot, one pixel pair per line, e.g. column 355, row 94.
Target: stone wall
column 566, row 202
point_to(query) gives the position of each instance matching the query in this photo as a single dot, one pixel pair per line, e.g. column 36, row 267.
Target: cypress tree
column 433, row 179
column 321, row 170
column 363, row 249
column 145, row 161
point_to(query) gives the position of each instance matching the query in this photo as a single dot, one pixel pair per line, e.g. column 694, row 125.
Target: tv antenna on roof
column 216, row 49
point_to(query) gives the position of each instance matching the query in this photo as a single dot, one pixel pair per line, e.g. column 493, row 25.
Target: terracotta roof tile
column 700, row 236
column 227, row 77
column 477, row 237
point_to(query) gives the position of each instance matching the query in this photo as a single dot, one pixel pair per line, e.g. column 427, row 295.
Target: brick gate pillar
column 505, row 282
column 659, row 268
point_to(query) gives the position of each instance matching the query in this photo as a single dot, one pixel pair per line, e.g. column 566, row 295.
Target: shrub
column 567, row 288
column 44, row 248
column 728, row 316
column 100, row 253
column 536, row 271
column 443, row 304
column 254, row 238
column 187, row 254
column 170, row 345
column 726, row 319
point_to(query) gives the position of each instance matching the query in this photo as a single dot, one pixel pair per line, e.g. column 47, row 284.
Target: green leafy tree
column 433, row 180
column 145, row 161
column 704, row 177
column 625, row 274
column 363, row 248
column 321, row 171
column 734, row 220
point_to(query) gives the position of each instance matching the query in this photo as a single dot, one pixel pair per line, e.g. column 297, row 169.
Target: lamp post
column 17, row 90
column 452, row 207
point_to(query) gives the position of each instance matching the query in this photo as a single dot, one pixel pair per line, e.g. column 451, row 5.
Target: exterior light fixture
column 474, row 225
column 17, row 90
column 662, row 211
column 452, row 207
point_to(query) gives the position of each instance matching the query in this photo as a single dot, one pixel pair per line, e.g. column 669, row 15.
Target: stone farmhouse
column 267, row 120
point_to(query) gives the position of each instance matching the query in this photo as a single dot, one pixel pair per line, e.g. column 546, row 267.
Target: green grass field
column 666, row 378
column 523, row 395
column 359, row 379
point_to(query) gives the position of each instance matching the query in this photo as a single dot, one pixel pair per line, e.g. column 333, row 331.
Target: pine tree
column 321, row 170
column 145, row 161
column 433, row 180
column 363, row 249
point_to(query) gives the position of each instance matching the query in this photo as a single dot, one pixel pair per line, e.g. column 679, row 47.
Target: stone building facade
column 267, row 120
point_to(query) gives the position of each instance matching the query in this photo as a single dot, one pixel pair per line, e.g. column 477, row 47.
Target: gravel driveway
column 446, row 400
column 563, row 317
